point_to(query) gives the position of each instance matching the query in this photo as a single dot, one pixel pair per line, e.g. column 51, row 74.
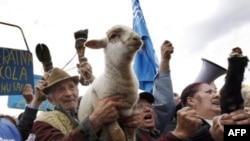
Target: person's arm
column 163, row 89
column 29, row 115
column 85, row 71
column 26, row 122
column 90, row 129
column 188, row 122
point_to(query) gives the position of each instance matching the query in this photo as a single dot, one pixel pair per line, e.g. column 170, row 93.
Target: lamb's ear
column 96, row 44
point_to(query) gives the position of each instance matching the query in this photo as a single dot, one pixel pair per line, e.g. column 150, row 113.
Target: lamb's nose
column 136, row 38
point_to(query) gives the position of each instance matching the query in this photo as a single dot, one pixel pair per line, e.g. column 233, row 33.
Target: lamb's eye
column 114, row 35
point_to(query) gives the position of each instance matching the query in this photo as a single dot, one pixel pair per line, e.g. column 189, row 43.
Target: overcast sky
column 197, row 29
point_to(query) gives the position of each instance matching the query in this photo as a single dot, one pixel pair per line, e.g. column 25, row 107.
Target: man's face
column 147, row 114
column 64, row 94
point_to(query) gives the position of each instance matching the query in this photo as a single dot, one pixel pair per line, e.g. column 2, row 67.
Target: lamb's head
column 120, row 42
column 124, row 37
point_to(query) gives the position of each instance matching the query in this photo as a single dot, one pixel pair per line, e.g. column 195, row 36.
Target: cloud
column 230, row 16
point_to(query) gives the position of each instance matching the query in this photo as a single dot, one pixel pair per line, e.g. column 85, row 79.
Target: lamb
column 120, row 47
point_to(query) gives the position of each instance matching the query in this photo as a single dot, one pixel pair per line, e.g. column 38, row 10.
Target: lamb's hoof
column 43, row 55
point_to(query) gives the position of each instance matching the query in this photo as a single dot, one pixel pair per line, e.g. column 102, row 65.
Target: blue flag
column 145, row 63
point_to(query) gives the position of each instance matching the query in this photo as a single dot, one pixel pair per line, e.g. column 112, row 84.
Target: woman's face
column 206, row 101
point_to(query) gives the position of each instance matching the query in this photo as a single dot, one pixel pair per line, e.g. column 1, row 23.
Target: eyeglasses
column 141, row 106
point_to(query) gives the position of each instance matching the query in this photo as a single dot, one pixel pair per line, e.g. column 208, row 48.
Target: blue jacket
column 8, row 131
column 164, row 100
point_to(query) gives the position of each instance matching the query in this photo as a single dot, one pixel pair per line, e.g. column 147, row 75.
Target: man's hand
column 166, row 50
column 188, row 121
column 85, row 70
column 34, row 99
column 216, row 129
column 132, row 121
column 105, row 111
column 39, row 96
column 28, row 93
column 238, row 117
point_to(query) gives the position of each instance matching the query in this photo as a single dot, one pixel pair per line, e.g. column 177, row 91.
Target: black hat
column 147, row 96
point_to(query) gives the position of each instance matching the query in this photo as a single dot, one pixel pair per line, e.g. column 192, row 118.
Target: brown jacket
column 57, row 126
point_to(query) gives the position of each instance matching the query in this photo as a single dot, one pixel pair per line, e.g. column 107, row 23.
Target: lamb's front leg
column 129, row 124
column 115, row 132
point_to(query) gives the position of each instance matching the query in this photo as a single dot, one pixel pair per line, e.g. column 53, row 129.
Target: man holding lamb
column 61, row 123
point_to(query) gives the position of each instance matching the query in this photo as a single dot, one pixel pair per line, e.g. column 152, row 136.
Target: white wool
column 120, row 46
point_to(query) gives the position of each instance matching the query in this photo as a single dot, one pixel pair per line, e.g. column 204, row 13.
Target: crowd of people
column 162, row 115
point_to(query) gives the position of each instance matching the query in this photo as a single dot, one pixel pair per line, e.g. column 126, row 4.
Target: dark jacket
column 146, row 134
column 26, row 122
column 202, row 133
column 168, row 137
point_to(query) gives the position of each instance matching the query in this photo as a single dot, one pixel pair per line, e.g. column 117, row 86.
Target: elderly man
column 62, row 123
